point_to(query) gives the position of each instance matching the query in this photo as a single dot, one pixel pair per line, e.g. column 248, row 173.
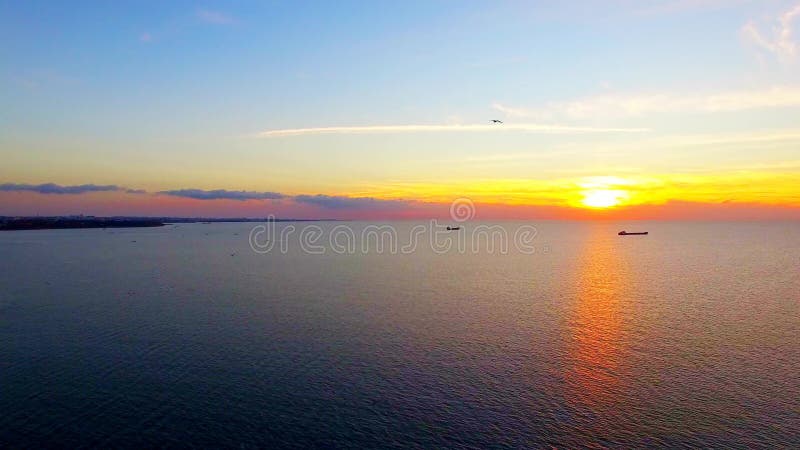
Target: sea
column 541, row 334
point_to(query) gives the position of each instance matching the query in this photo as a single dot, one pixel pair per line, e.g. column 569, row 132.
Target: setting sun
column 603, row 198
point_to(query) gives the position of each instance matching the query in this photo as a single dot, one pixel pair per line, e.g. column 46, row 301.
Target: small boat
column 631, row 233
column 449, row 228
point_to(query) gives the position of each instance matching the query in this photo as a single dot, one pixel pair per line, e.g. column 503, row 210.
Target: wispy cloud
column 681, row 6
column 222, row 194
column 780, row 39
column 214, row 17
column 35, row 79
column 491, row 63
column 335, row 202
column 512, row 111
column 632, row 105
column 377, row 129
column 343, row 202
column 52, row 188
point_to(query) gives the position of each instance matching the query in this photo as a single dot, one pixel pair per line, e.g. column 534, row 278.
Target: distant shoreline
column 80, row 222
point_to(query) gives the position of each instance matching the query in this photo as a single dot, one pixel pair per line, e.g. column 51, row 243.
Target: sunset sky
column 663, row 109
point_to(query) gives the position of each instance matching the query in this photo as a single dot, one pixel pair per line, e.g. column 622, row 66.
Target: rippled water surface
column 185, row 336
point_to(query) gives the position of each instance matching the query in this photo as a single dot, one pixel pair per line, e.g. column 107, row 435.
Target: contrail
column 375, row 129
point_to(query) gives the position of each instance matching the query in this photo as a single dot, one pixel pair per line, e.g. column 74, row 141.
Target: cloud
column 52, row 188
column 633, row 105
column 510, row 111
column 337, row 202
column 214, row 17
column 487, row 64
column 781, row 40
column 222, row 194
column 681, row 6
column 376, row 129
column 342, row 202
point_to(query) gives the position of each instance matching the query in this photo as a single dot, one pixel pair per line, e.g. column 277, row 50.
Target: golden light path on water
column 597, row 327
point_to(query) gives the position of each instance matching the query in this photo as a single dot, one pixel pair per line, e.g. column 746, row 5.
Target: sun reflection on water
column 596, row 326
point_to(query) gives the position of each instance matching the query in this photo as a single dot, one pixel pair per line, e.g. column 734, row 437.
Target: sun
column 603, row 198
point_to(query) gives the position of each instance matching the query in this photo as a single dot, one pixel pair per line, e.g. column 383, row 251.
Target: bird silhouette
column 496, row 121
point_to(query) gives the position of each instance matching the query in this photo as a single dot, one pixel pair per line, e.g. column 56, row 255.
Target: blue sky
column 285, row 64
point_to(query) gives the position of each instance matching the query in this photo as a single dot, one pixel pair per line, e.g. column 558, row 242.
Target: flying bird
column 496, row 121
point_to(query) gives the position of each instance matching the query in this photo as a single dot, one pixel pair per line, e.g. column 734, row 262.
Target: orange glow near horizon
column 601, row 192
column 745, row 195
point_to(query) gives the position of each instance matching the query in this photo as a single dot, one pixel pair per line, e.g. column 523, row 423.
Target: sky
column 631, row 109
